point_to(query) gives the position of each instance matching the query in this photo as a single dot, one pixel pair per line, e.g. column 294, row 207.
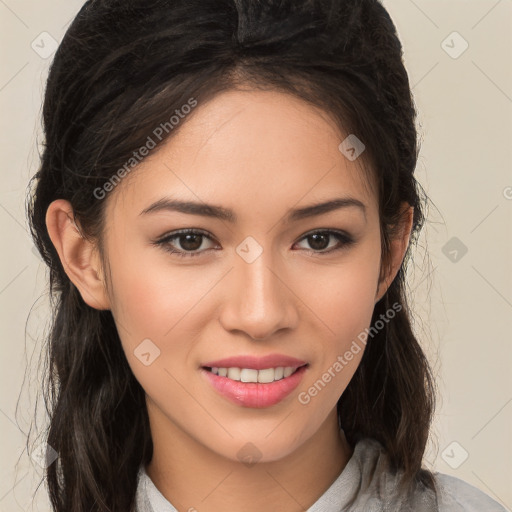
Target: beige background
column 464, row 307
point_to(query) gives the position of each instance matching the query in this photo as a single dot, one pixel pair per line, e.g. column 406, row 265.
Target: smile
column 243, row 387
column 263, row 376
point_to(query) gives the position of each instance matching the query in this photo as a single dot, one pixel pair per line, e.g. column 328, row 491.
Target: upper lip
column 256, row 363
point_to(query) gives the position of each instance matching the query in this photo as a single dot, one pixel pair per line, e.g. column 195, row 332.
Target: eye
column 189, row 240
column 319, row 241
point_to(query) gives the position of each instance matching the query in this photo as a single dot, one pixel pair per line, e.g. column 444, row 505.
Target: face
column 255, row 281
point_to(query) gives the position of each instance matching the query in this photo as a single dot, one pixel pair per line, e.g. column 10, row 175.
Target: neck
column 191, row 476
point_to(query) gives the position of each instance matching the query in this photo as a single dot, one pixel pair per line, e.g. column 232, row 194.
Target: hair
column 121, row 70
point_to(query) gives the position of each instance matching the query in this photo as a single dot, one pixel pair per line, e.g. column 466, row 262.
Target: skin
column 259, row 153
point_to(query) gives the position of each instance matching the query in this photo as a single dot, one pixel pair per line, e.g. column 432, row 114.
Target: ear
column 398, row 248
column 78, row 256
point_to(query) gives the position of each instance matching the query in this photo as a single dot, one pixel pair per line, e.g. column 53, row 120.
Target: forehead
column 255, row 148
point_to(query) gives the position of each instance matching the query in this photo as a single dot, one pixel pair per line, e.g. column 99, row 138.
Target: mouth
column 248, row 387
column 263, row 376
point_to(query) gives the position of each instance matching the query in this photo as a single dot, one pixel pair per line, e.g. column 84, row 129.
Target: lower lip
column 255, row 394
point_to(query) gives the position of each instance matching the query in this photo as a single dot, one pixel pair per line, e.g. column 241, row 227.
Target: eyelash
column 344, row 239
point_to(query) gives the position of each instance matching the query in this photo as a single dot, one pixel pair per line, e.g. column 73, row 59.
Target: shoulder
column 377, row 482
column 147, row 497
column 457, row 495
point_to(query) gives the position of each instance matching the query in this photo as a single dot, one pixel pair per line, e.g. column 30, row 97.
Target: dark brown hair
column 122, row 69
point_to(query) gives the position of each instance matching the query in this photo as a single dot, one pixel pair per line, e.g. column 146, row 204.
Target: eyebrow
column 218, row 212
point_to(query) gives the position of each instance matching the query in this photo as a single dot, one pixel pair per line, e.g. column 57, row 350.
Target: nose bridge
column 258, row 303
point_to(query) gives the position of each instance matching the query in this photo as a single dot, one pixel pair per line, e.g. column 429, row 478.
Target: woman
column 226, row 202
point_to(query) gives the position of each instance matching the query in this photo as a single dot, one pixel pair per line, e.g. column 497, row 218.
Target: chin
column 259, row 447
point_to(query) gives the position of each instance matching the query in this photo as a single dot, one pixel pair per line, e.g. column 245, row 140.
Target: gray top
column 366, row 484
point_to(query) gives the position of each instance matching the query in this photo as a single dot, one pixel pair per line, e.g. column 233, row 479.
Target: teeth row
column 250, row 375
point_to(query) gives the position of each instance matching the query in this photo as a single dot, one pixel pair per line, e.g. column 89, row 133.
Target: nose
column 258, row 301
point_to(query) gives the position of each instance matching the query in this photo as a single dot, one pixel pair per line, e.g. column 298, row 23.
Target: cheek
column 160, row 302
column 156, row 315
column 343, row 296
column 152, row 295
column 343, row 301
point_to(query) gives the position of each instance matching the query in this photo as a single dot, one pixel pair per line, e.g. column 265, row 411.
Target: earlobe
column 398, row 248
column 78, row 255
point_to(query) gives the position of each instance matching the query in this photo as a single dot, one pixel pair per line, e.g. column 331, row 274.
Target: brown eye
column 319, row 241
column 190, row 242
column 184, row 243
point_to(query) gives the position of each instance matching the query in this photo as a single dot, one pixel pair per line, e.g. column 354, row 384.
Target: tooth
column 248, row 375
column 279, row 372
column 266, row 376
column 234, row 373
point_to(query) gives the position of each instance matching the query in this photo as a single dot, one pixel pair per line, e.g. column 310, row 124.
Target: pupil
column 315, row 238
column 188, row 245
column 192, row 242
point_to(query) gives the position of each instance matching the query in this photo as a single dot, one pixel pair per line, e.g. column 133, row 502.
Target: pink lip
column 256, row 363
column 254, row 394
